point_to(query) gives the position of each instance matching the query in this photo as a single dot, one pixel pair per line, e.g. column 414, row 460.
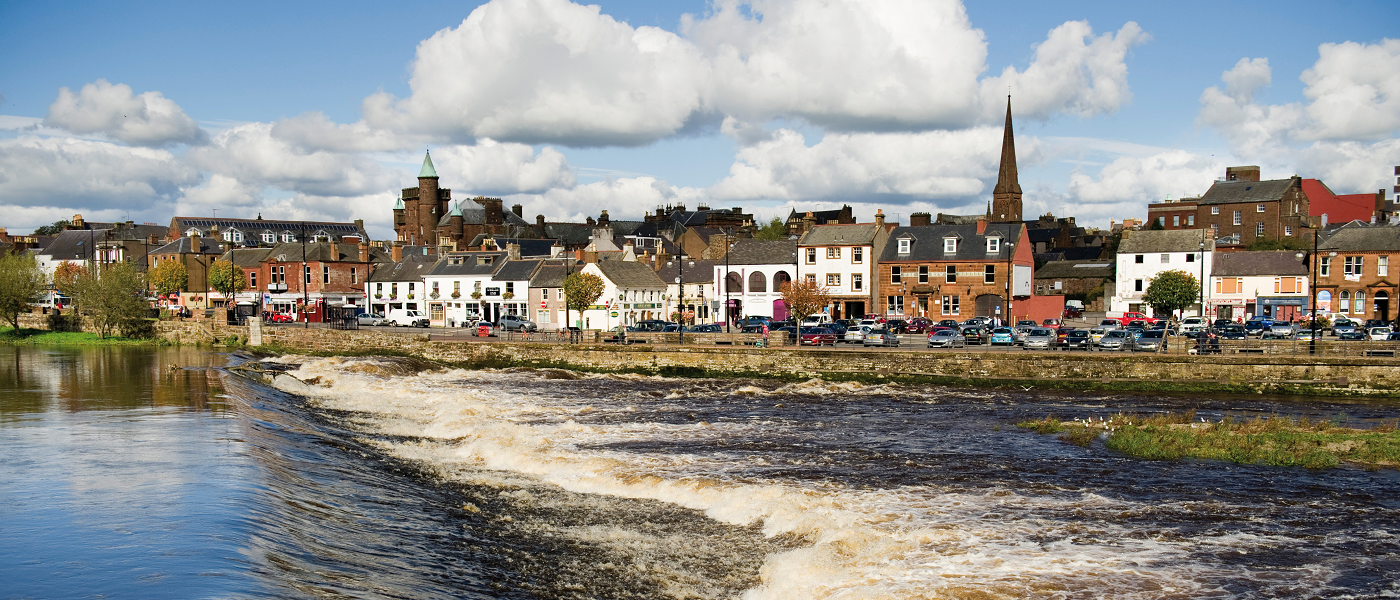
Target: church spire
column 1006, row 177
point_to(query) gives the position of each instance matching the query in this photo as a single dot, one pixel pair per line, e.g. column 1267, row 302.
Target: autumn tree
column 67, row 276
column 112, row 296
column 1171, row 291
column 22, row 283
column 169, row 276
column 227, row 278
column 581, row 290
column 805, row 298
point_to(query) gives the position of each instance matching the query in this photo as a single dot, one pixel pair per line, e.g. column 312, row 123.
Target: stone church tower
column 418, row 211
column 1006, row 196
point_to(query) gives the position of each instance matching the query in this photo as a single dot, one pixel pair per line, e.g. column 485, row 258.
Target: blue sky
column 1117, row 108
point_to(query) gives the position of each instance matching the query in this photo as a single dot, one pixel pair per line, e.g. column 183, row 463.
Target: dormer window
column 993, row 245
column 269, row 237
column 904, row 244
column 484, row 260
column 950, row 245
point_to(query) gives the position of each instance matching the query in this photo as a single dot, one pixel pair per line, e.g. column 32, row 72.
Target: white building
column 842, row 259
column 757, row 271
column 631, row 292
column 389, row 286
column 466, row 292
column 1249, row 284
column 1143, row 255
column 698, row 282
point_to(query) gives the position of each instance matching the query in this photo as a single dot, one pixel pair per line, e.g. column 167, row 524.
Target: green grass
column 1275, row 441
column 44, row 337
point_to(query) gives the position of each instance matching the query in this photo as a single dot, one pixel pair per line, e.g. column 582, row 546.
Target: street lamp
column 1010, row 278
column 1312, row 343
column 305, row 280
column 727, row 317
column 1202, row 258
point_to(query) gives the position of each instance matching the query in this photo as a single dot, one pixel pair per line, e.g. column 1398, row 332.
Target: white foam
column 910, row 542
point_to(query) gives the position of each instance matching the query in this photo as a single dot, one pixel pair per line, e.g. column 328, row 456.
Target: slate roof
column 186, row 245
column 249, row 257
column 928, row 242
column 550, row 275
column 320, row 252
column 516, row 270
column 528, row 247
column 182, row 224
column 696, row 271
column 412, row 268
column 1361, row 237
column 134, row 231
column 72, row 244
column 839, row 235
column 821, row 216
column 750, row 251
column 470, row 264
column 1180, row 240
column 1227, row 192
column 1239, row 264
column 1075, row 269
column 630, row 274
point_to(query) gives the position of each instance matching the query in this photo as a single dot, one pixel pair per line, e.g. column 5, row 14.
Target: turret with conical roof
column 428, row 170
column 1006, row 196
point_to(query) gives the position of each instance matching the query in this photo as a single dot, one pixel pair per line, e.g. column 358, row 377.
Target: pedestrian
column 764, row 329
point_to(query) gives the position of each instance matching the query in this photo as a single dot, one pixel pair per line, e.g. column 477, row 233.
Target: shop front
column 1282, row 308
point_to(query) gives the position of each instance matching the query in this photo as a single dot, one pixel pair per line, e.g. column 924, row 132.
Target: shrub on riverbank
column 1275, row 441
column 40, row 337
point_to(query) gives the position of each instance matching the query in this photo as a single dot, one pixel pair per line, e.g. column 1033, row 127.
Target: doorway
column 989, row 305
column 1382, row 305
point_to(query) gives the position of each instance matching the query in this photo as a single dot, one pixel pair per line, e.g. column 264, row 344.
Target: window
column 1190, row 258
column 812, row 278
column 1229, row 285
column 1239, row 218
column 833, row 252
column 1383, row 266
column 857, row 282
column 253, row 279
column 1162, row 221
column 950, row 245
column 1351, row 265
column 1176, row 220
column 1166, row 258
column 857, row 255
column 1059, row 285
column 354, row 278
column 325, row 274
column 993, row 244
column 989, row 274
column 950, row 305
column 1258, row 208
column 544, row 293
column 1215, row 228
column 923, row 274
column 833, row 279
column 1360, row 303
column 1288, row 285
column 904, row 245
column 1344, row 302
column 952, row 274
column 1137, row 285
column 895, row 273
column 282, row 274
column 894, row 305
column 378, row 289
column 1215, row 210
column 812, row 257
column 510, row 288
column 269, row 237
column 307, row 274
column 1190, row 220
column 1138, row 258
column 1324, row 269
column 288, row 237
column 1259, row 228
column 393, row 290
column 1287, row 230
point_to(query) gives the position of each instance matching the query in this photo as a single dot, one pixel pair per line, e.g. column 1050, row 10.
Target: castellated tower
column 419, row 209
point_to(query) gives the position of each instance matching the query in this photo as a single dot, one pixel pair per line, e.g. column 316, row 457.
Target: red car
column 277, row 317
column 919, row 325
column 818, row 336
column 1137, row 316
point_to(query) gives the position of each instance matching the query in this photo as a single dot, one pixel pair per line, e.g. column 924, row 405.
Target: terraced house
column 842, row 259
column 954, row 271
column 1356, row 274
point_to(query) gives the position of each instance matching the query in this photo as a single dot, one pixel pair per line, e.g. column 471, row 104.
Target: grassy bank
column 43, row 337
column 1276, row 441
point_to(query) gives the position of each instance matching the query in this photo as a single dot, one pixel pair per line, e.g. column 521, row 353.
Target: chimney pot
column 518, row 210
column 981, row 225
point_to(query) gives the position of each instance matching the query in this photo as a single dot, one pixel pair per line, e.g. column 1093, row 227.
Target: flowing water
column 150, row 473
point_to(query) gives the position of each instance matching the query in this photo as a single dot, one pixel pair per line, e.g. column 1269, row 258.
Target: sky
column 147, row 110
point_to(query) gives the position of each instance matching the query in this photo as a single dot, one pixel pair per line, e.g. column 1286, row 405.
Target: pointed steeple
column 1006, row 177
column 456, row 211
column 398, row 204
column 429, row 171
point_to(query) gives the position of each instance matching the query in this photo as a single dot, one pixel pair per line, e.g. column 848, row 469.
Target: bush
column 137, row 329
column 71, row 322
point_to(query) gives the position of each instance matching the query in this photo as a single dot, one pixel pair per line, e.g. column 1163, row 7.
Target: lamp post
column 1202, row 258
column 305, row 280
column 727, row 317
column 1312, row 342
column 1010, row 279
column 680, row 300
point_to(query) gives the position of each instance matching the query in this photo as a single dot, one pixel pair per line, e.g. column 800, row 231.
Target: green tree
column 112, row 296
column 227, row 278
column 170, row 276
column 1267, row 243
column 22, row 282
column 774, row 230
column 804, row 298
column 57, row 226
column 66, row 277
column 1171, row 291
column 581, row 290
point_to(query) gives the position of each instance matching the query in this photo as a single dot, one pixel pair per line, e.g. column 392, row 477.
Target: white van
column 817, row 320
column 402, row 317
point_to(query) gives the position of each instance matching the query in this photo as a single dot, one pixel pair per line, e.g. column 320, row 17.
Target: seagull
column 1027, row 387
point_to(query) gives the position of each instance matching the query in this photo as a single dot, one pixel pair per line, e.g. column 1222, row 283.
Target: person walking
column 764, row 330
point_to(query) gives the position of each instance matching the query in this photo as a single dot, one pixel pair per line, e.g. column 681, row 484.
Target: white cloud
column 1354, row 92
column 221, row 191
column 627, row 196
column 314, row 132
column 85, row 175
column 1140, row 180
column 252, row 155
column 493, row 168
column 1246, row 78
column 112, row 110
column 1073, row 72
column 903, row 166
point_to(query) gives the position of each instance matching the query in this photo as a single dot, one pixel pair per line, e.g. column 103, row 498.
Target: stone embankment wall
column 1045, row 370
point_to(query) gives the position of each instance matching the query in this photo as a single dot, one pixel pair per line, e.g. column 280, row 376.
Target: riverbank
column 42, row 337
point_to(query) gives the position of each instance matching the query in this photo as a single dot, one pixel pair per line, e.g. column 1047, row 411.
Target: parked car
column 485, row 329
column 1137, row 316
column 1040, row 338
column 951, row 324
column 1304, row 335
column 975, row 335
column 516, row 323
column 1110, row 324
column 820, row 320
column 1394, row 337
column 1151, row 340
column 648, row 325
column 1097, row 333
column 1003, row 336
column 1232, row 332
column 977, row 322
column 946, row 338
column 1116, row 339
column 1278, row 331
column 705, row 328
column 1193, row 324
column 402, row 317
column 1027, row 323
column 1376, row 323
column 818, row 336
column 881, row 337
column 1379, row 334
column 756, row 320
column 1136, row 331
column 1352, row 336
column 789, row 330
column 1053, row 322
column 1342, row 325
column 920, row 325
column 1257, row 326
column 1221, row 323
column 1073, row 312
column 1078, row 338
column 371, row 319
column 277, row 317
column 856, row 335
column 897, row 326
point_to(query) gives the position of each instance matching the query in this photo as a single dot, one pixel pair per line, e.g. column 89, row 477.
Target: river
column 154, row 473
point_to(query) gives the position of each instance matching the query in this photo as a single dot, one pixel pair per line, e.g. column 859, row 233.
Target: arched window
column 1324, row 301
column 1360, row 303
column 779, row 279
column 734, row 284
column 1344, row 302
column 757, row 282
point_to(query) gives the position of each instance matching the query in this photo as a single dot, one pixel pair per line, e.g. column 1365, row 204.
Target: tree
column 22, row 282
column 57, row 226
column 774, row 230
column 1171, row 291
column 170, row 276
column 805, row 298
column 227, row 278
column 112, row 296
column 581, row 290
column 67, row 276
column 1267, row 243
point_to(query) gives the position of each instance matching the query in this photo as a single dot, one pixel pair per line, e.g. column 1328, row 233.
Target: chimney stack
column 512, row 251
column 981, row 225
column 518, row 210
column 920, row 219
column 879, row 217
column 364, row 251
column 603, row 218
column 396, row 253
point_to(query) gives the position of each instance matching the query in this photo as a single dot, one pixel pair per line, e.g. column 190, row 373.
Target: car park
column 975, row 335
column 1151, row 340
column 818, row 336
column 516, row 323
column 1379, row 334
column 1039, row 338
column 1116, row 339
column 856, row 335
column 881, row 337
column 371, row 320
column 1078, row 339
column 1003, row 336
column 946, row 338
column 1232, row 332
column 1352, row 336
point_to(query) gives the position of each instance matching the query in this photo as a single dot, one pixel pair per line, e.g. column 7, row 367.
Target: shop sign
column 493, row 291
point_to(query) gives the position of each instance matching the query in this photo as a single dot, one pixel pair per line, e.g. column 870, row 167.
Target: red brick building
column 954, row 271
column 1357, row 267
column 332, row 274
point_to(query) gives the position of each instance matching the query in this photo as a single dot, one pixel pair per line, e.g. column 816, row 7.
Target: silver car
column 1117, row 339
column 946, row 338
column 1278, row 331
column 856, row 335
column 1379, row 334
column 1039, row 338
column 881, row 337
column 371, row 319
